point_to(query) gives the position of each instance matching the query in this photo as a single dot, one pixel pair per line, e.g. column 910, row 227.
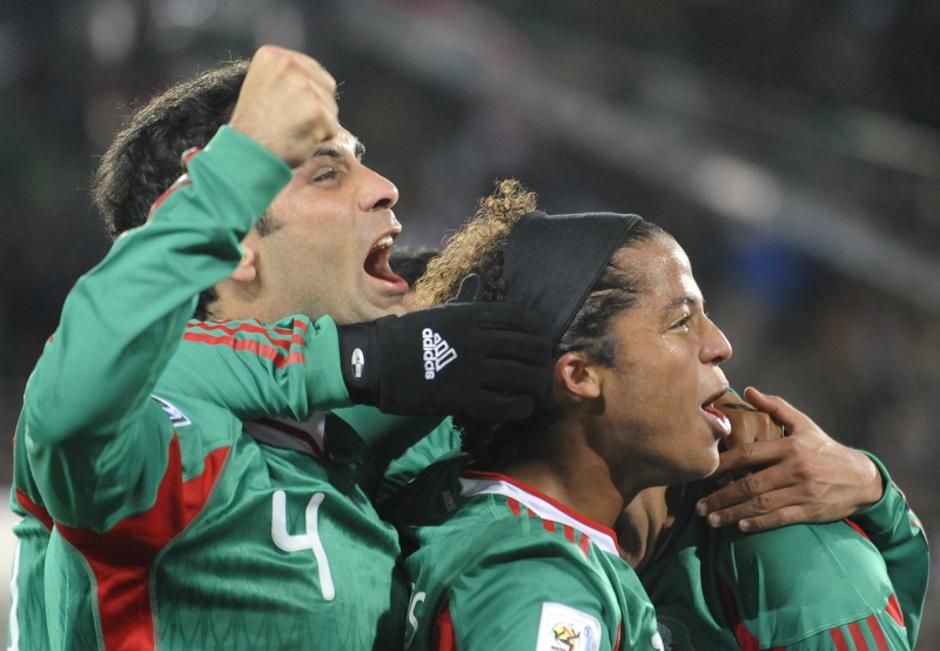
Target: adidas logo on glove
column 437, row 353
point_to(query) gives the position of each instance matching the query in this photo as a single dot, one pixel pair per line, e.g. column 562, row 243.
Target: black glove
column 488, row 361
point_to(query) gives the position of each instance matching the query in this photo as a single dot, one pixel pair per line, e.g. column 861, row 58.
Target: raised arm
column 87, row 409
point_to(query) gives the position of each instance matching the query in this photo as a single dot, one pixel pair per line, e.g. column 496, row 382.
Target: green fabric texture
column 899, row 535
column 508, row 578
column 798, row 587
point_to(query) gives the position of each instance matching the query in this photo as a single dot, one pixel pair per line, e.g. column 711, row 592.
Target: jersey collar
column 474, row 482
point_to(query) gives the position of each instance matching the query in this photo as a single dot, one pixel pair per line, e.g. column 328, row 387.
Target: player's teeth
column 385, row 242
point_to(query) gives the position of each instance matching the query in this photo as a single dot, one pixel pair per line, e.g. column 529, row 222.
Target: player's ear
column 576, row 377
column 246, row 271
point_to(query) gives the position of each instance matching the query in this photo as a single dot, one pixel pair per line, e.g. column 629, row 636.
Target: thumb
column 468, row 291
column 779, row 409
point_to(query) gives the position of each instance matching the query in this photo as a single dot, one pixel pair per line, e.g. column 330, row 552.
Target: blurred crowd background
column 793, row 147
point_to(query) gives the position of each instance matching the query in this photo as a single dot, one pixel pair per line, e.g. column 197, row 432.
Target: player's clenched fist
column 287, row 104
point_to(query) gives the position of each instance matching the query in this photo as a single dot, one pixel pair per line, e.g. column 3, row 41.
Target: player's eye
column 325, row 174
column 682, row 322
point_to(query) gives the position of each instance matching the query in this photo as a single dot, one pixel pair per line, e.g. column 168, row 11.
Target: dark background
column 792, row 147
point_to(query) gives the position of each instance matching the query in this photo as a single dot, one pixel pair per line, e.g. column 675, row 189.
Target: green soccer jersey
column 500, row 566
column 802, row 587
column 171, row 526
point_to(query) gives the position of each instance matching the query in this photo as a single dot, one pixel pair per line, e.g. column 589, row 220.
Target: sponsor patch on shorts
column 563, row 628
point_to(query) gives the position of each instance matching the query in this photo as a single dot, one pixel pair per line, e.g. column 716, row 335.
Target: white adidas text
column 437, row 353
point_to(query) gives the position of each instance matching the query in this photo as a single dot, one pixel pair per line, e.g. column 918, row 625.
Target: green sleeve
column 27, row 622
column 898, row 534
column 443, row 440
column 877, row 631
column 92, row 430
column 527, row 603
column 287, row 369
column 780, row 597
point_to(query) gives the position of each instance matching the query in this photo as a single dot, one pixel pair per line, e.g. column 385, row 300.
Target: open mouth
column 716, row 418
column 377, row 265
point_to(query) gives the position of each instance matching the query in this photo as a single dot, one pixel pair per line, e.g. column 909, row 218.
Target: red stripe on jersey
column 858, row 638
column 296, row 357
column 894, row 610
column 250, row 345
column 569, row 532
column 34, row 509
column 297, row 324
column 746, row 640
column 584, row 544
column 251, row 327
column 182, row 181
column 857, row 528
column 877, row 633
column 838, row 639
column 513, row 506
column 574, row 515
column 188, row 154
column 444, row 631
column 549, row 526
column 616, row 646
column 121, row 558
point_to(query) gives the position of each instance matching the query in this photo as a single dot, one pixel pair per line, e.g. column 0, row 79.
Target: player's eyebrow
column 685, row 299
column 328, row 151
column 336, row 154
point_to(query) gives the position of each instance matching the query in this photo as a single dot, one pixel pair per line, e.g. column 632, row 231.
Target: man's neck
column 645, row 521
column 577, row 477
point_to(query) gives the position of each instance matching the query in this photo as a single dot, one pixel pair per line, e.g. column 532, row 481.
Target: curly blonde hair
column 477, row 247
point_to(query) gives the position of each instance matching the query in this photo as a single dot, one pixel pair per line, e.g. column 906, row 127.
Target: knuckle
column 266, row 51
column 802, row 470
column 747, row 452
column 762, row 503
column 767, row 423
column 279, row 57
column 750, row 484
column 814, row 491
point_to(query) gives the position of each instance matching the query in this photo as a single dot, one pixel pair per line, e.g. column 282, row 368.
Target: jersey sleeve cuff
column 324, row 377
column 880, row 515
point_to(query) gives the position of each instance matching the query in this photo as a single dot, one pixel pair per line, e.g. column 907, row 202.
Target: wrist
column 360, row 362
column 872, row 484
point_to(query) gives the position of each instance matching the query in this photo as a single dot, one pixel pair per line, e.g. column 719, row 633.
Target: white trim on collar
column 542, row 506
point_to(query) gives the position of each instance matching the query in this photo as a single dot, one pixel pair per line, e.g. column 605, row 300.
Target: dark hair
column 144, row 159
column 478, row 247
column 411, row 263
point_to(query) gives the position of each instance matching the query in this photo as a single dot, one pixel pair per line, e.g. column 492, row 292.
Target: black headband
column 552, row 262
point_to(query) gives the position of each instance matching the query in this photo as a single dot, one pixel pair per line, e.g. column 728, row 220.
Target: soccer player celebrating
column 525, row 557
column 172, row 527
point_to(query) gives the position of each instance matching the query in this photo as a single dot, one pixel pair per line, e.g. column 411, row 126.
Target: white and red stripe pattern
column 537, row 503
